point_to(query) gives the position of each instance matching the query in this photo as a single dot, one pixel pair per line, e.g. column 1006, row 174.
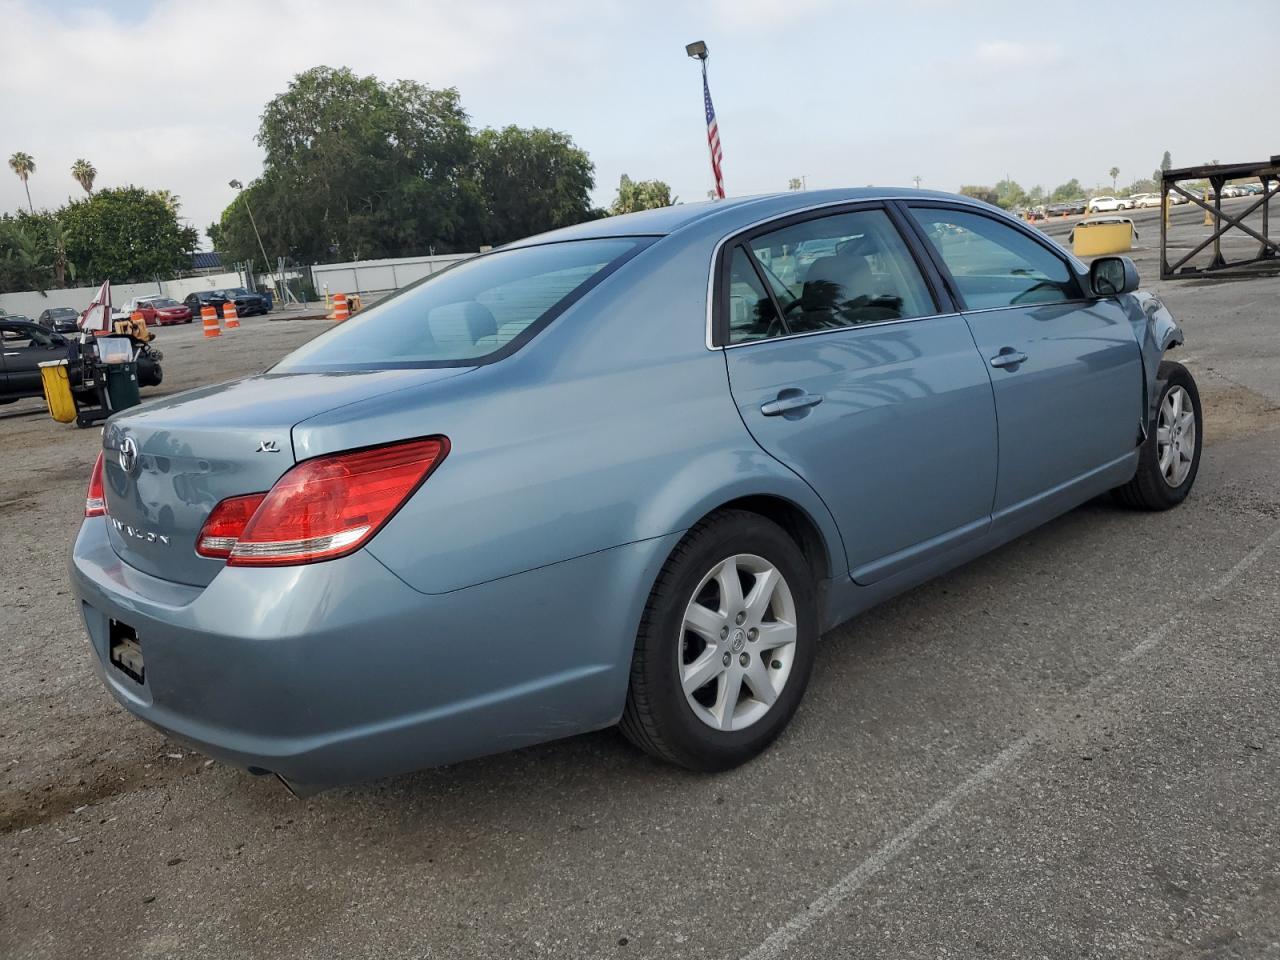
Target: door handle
column 1008, row 357
column 790, row 400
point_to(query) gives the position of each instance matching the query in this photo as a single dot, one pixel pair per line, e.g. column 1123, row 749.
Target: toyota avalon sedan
column 623, row 473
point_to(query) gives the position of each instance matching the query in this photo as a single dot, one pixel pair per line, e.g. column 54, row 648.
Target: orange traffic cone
column 340, row 309
column 229, row 314
column 210, row 317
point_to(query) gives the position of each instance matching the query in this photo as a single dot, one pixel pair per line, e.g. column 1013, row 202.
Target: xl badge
column 268, row 446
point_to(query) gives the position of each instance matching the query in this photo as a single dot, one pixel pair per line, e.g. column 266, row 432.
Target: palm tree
column 22, row 164
column 84, row 172
column 1114, row 172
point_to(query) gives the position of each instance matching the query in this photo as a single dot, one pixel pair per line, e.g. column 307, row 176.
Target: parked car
column 1139, row 200
column 60, row 319
column 247, row 303
column 1107, row 204
column 25, row 345
column 614, row 473
column 163, row 311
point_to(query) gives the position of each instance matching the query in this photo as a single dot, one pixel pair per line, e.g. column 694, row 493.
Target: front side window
column 20, row 337
column 995, row 265
column 469, row 312
column 842, row 270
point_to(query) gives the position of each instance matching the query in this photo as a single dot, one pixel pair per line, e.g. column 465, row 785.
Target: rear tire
column 757, row 639
column 1170, row 456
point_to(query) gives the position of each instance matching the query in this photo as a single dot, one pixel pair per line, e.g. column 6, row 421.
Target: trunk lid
column 169, row 463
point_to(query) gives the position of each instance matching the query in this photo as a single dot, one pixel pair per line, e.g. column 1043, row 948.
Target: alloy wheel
column 1176, row 436
column 738, row 642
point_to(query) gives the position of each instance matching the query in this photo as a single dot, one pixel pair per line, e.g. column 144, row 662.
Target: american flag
column 713, row 137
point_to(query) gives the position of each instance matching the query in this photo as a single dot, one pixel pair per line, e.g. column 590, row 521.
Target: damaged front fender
column 1157, row 333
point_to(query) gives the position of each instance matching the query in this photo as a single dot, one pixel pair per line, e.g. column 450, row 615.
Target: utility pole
column 266, row 261
column 917, row 178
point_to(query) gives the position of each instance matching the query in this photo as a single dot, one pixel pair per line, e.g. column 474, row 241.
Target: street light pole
column 266, row 262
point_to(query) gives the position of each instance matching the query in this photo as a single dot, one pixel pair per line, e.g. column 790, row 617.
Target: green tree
column 1113, row 173
column 1035, row 195
column 636, row 195
column 531, row 181
column 1166, row 162
column 84, row 173
column 22, row 265
column 1071, row 190
column 980, row 193
column 24, row 166
column 33, row 252
column 1009, row 194
column 125, row 235
column 357, row 168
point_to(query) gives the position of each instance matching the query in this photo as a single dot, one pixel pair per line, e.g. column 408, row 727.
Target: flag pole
column 698, row 51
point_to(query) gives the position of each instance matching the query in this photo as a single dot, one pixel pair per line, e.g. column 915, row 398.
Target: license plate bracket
column 125, row 651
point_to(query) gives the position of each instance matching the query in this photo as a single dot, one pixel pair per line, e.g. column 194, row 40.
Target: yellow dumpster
column 57, row 391
column 1098, row 236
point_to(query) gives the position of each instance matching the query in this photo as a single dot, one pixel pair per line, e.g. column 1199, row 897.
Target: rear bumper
column 338, row 672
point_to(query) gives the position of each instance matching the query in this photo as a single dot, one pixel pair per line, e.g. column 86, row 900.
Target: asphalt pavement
column 1068, row 748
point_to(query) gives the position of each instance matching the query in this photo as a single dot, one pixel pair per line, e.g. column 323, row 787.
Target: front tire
column 726, row 644
column 1170, row 456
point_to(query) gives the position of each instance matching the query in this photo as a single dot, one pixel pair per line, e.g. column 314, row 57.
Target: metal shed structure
column 1217, row 175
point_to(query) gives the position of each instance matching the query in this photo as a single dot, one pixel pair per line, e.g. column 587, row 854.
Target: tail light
column 321, row 509
column 95, row 503
column 225, row 525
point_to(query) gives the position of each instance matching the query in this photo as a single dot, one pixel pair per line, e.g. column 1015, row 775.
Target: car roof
column 730, row 215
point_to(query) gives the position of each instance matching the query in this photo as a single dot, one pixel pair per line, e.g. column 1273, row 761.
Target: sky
column 167, row 94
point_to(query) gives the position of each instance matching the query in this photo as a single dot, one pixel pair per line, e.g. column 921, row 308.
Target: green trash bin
column 122, row 385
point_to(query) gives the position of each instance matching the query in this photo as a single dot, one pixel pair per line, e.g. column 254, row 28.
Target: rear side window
column 995, row 265
column 479, row 310
column 752, row 315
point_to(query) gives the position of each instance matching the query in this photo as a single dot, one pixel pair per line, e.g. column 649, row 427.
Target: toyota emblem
column 128, row 455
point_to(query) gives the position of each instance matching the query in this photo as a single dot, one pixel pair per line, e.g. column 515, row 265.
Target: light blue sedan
column 627, row 472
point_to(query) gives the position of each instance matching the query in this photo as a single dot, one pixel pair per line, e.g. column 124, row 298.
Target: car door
column 846, row 369
column 25, row 347
column 1065, row 367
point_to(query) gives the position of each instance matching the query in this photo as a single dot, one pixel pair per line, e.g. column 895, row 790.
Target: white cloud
column 1006, row 53
column 173, row 99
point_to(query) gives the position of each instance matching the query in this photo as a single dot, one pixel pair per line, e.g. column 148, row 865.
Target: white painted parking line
column 785, row 936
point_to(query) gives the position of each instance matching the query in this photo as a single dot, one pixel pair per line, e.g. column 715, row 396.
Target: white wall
column 32, row 302
column 377, row 276
column 364, row 276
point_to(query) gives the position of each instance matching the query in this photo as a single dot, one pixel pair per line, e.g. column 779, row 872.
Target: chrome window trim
column 1083, row 301
column 746, row 228
column 845, row 329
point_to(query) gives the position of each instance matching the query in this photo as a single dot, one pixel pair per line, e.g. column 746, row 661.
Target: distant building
column 205, row 262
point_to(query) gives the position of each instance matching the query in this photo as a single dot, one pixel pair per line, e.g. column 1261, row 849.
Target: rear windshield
column 480, row 310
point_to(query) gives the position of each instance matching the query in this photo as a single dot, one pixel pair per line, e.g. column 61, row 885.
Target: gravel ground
column 1070, row 747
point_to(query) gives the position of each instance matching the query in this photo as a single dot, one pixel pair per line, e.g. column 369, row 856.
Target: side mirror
column 1111, row 276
